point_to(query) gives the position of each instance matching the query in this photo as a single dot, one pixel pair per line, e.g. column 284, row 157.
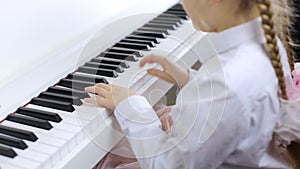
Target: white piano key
column 44, row 144
column 31, row 155
column 52, row 151
column 78, row 131
column 90, row 116
column 130, row 77
column 70, row 129
column 52, row 141
column 20, row 162
column 8, row 166
column 69, row 118
column 53, row 132
column 73, row 120
column 43, row 159
column 86, row 120
column 55, row 153
column 46, row 139
column 64, row 147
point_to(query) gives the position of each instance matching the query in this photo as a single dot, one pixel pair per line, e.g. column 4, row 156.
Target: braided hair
column 277, row 10
column 267, row 14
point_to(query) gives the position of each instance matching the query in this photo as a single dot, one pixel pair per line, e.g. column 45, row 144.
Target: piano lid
column 34, row 30
column 35, row 35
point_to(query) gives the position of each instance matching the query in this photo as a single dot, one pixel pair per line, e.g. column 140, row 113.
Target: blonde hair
column 278, row 11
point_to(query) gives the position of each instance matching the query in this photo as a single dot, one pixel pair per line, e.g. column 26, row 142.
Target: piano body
column 51, row 50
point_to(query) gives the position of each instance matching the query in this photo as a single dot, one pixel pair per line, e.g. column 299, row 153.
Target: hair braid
column 266, row 12
column 267, row 15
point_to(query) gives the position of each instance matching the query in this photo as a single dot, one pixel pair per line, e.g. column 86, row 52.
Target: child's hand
column 172, row 72
column 109, row 96
column 165, row 117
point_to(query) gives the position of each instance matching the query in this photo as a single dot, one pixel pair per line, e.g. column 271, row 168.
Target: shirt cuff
column 192, row 74
column 136, row 117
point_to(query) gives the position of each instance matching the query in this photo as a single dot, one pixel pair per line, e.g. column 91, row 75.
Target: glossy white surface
column 43, row 41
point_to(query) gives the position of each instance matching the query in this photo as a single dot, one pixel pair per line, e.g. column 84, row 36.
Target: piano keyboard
column 44, row 131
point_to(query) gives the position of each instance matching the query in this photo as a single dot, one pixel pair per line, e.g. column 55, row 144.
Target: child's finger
column 96, row 100
column 91, row 100
column 161, row 74
column 164, row 124
column 104, row 86
column 155, row 72
column 90, row 89
column 97, row 90
column 153, row 59
column 170, row 121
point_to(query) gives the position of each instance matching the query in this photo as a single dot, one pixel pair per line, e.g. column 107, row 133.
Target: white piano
column 50, row 50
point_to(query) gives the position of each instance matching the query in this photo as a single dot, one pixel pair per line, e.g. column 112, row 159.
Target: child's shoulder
column 247, row 68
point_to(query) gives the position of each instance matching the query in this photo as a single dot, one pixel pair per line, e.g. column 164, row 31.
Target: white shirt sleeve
column 208, row 126
column 192, row 74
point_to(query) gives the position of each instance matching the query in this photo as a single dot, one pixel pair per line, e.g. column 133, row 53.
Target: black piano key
column 165, row 31
column 86, row 78
column 177, row 6
column 53, row 104
column 168, row 18
column 176, row 23
column 75, row 84
column 150, row 43
column 137, row 53
column 70, row 92
column 174, row 8
column 183, row 16
column 162, row 26
column 176, row 12
column 119, row 56
column 100, row 72
column 40, row 114
column 101, row 60
column 7, row 152
column 132, row 46
column 13, row 142
column 59, row 97
column 150, row 34
column 118, row 69
column 154, row 39
column 19, row 133
column 165, row 19
column 30, row 121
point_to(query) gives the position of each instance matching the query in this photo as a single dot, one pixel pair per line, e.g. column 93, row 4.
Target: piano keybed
column 47, row 129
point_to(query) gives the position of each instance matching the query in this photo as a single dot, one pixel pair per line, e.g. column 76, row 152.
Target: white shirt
column 225, row 115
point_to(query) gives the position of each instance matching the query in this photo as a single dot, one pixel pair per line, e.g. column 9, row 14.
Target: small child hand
column 109, row 96
column 165, row 117
column 172, row 72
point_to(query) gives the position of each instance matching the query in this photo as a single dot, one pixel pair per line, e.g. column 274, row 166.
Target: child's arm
column 201, row 135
